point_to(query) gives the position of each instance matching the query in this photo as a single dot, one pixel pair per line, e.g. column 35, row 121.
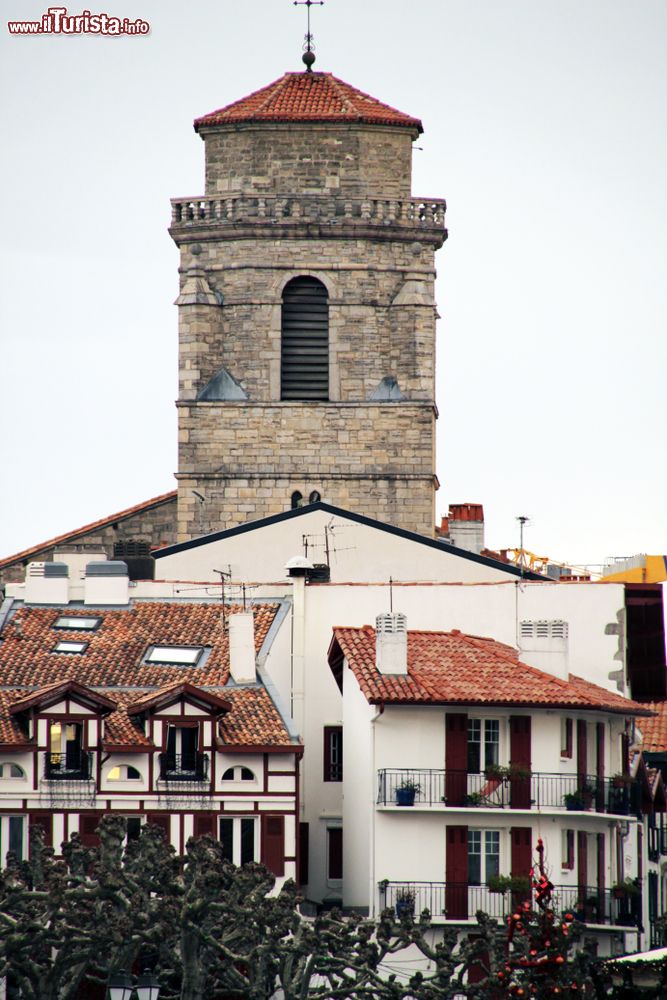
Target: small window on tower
column 297, row 500
column 304, row 362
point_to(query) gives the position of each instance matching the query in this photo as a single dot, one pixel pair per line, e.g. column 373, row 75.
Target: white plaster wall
column 358, row 553
column 360, row 794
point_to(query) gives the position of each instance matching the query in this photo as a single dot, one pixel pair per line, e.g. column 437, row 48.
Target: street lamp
column 122, row 988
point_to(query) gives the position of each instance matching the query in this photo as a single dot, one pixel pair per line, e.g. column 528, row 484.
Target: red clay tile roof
column 453, row 668
column 103, row 522
column 51, row 693
column 308, row 97
column 112, row 667
column 654, row 730
column 164, row 696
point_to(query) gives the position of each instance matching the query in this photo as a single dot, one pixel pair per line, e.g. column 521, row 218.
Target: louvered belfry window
column 304, row 369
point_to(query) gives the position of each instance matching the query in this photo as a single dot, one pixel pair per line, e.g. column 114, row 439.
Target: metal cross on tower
column 308, row 54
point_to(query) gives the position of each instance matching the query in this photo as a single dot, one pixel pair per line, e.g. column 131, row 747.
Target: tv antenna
column 225, row 577
column 308, row 56
column 523, row 520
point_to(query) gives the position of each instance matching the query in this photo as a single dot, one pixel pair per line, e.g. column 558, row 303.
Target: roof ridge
column 51, row 542
column 279, row 84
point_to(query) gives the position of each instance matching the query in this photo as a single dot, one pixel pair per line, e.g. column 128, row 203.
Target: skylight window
column 79, row 623
column 175, row 656
column 65, row 646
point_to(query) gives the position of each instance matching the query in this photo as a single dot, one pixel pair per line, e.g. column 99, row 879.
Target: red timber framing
column 599, row 765
column 456, row 873
column 582, row 864
column 273, row 843
column 521, row 759
column 456, row 759
column 582, row 753
column 602, row 869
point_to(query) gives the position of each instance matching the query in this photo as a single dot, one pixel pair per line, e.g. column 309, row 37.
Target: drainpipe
column 373, row 886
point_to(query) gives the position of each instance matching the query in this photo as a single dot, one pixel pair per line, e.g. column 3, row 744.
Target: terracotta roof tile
column 71, row 535
column 454, row 668
column 308, row 97
column 112, row 666
column 654, row 730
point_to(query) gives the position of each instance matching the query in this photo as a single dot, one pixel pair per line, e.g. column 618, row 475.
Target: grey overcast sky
column 545, row 129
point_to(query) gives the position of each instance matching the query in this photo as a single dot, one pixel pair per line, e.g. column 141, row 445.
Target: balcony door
column 65, row 746
column 182, row 746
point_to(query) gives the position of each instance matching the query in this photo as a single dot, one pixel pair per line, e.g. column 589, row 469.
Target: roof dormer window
column 175, row 656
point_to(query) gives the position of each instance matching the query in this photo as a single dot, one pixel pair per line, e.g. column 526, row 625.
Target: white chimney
column 46, row 583
column 242, row 647
column 391, row 643
column 107, row 582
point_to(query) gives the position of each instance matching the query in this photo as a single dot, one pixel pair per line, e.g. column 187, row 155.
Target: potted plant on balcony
column 405, row 903
column 574, row 801
column 508, row 883
column 620, row 780
column 406, row 792
column 625, row 889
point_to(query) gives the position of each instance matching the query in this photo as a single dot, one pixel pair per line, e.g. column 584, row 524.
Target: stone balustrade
column 321, row 209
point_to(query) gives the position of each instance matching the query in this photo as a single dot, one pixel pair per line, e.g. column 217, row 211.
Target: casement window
column 182, row 745
column 483, row 855
column 65, row 757
column 238, row 838
column 567, row 737
column 8, row 770
column 568, row 850
column 333, row 753
column 238, row 774
column 13, row 836
column 483, row 744
column 304, row 359
column 124, row 772
column 334, row 853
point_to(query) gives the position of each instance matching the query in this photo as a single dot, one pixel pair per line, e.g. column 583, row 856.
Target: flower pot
column 404, row 908
column 405, row 796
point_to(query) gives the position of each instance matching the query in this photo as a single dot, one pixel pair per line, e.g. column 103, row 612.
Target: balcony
column 458, row 902
column 74, row 765
column 230, row 215
column 504, row 789
column 657, row 843
column 190, row 767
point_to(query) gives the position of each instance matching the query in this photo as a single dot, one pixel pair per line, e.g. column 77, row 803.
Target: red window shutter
column 205, row 824
column 304, row 830
column 569, row 739
column 582, row 863
column 479, row 969
column 602, row 873
column 456, row 759
column 599, row 761
column 521, row 838
column 335, row 852
column 88, row 823
column 520, row 756
column 273, row 844
column 163, row 821
column 582, row 751
column 569, row 850
column 45, row 820
column 456, row 873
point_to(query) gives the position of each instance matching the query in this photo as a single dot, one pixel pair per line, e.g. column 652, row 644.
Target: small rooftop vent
column 137, row 556
column 47, row 583
column 298, row 566
column 391, row 643
column 107, row 582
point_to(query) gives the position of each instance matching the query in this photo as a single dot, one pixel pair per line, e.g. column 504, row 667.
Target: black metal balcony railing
column 183, row 767
column 74, row 765
column 459, row 901
column 520, row 790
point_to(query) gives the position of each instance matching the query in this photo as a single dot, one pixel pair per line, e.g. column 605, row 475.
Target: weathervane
column 308, row 54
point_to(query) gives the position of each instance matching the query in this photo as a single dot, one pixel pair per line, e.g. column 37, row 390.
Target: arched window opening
column 124, row 772
column 304, row 367
column 315, row 497
column 296, row 500
column 238, row 774
column 11, row 771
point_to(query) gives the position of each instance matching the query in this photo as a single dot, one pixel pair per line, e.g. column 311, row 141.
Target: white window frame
column 236, row 836
column 139, row 777
column 484, row 834
column 11, row 777
column 483, row 720
column 5, row 819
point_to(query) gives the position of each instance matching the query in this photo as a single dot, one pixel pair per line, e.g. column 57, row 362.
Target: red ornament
column 559, row 959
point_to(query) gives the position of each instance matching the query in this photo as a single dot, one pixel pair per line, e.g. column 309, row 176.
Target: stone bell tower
column 307, row 312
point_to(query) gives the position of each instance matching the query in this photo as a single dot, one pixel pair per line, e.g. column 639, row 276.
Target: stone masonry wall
column 370, row 335
column 247, row 461
column 157, row 526
column 352, row 160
